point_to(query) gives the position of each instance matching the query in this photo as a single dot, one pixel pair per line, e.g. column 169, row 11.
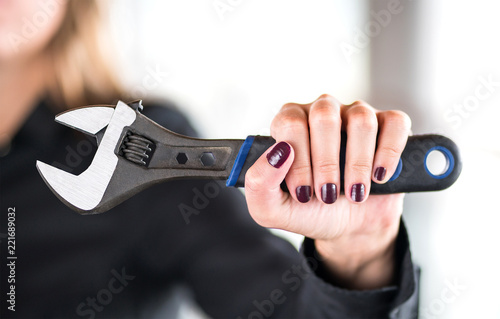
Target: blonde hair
column 81, row 61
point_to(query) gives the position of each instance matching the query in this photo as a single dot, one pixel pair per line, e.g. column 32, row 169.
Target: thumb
column 264, row 196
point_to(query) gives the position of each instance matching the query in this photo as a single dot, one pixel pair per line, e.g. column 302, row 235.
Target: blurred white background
column 231, row 64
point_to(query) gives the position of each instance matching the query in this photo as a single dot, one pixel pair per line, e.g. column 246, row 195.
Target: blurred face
column 27, row 26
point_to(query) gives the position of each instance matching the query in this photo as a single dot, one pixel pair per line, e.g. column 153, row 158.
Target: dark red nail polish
column 380, row 173
column 358, row 192
column 279, row 154
column 329, row 193
column 303, row 193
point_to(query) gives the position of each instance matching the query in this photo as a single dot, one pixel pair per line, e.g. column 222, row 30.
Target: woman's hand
column 355, row 232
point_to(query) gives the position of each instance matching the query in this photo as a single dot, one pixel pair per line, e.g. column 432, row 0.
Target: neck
column 21, row 85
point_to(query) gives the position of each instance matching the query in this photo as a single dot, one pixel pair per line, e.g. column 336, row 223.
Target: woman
column 355, row 261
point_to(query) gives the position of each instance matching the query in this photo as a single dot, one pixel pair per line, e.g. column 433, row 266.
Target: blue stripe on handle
column 240, row 160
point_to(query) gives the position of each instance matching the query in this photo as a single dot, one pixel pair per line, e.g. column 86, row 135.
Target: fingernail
column 380, row 173
column 279, row 154
column 358, row 192
column 303, row 193
column 329, row 193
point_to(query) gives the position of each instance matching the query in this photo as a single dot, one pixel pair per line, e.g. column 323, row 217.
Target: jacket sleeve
column 399, row 301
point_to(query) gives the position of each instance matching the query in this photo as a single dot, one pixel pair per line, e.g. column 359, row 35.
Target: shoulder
column 169, row 115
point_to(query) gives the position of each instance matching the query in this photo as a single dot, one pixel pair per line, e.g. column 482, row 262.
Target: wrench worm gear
column 137, row 149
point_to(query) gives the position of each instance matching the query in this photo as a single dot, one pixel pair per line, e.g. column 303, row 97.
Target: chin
column 7, row 53
column 10, row 54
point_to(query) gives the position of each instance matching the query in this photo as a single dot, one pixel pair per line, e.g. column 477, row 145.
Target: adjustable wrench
column 134, row 153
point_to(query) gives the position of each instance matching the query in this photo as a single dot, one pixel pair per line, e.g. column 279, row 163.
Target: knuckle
column 398, row 118
column 290, row 119
column 363, row 117
column 325, row 97
column 391, row 151
column 288, row 106
column 327, row 167
column 361, row 167
column 300, row 170
column 253, row 179
column 361, row 110
column 293, row 125
column 359, row 103
column 324, row 112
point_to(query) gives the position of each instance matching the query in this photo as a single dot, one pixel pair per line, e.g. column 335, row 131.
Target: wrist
column 362, row 261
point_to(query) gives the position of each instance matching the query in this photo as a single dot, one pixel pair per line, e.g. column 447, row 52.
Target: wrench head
column 84, row 192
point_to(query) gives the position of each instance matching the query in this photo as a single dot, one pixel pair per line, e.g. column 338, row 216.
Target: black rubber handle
column 412, row 174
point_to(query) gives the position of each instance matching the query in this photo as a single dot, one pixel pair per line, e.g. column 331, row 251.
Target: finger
column 361, row 126
column 394, row 128
column 291, row 125
column 262, row 185
column 324, row 126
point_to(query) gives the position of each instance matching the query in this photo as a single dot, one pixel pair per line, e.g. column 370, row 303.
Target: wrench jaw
column 64, row 185
column 89, row 120
column 84, row 193
column 71, row 190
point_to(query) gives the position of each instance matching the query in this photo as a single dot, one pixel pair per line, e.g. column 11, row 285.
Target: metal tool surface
column 134, row 153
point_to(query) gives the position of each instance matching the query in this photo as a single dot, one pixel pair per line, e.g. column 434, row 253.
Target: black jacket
column 119, row 264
